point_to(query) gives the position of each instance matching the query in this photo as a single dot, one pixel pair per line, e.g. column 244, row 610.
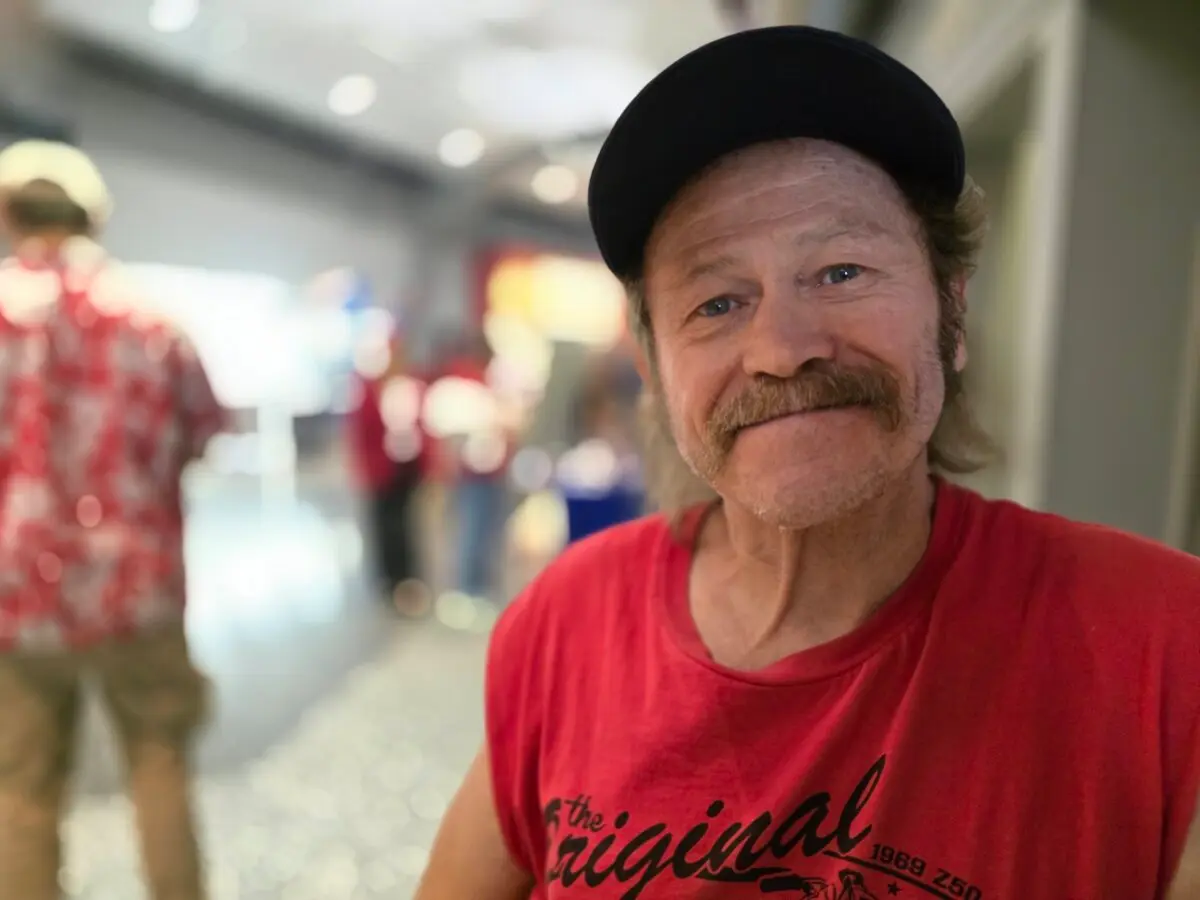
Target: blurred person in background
column 607, row 401
column 824, row 670
column 598, row 413
column 479, row 459
column 102, row 405
column 599, row 477
column 389, row 450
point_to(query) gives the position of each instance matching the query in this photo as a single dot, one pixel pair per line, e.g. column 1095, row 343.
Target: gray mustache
column 810, row 391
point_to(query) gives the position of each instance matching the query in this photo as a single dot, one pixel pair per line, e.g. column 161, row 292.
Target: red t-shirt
column 373, row 466
column 381, row 453
column 1021, row 721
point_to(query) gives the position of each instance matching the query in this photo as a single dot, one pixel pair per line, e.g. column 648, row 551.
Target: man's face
column 796, row 322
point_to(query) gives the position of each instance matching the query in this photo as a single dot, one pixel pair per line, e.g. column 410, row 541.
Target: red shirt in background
column 373, row 466
column 102, row 405
column 1021, row 721
column 379, row 452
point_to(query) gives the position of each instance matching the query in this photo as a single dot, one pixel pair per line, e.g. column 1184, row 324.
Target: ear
column 641, row 362
column 960, row 353
column 959, row 286
column 640, row 354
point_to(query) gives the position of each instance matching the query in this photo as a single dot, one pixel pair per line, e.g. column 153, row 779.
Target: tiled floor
column 344, row 806
column 341, row 732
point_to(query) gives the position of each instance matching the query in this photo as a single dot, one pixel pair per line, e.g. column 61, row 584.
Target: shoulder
column 1095, row 555
column 586, row 598
column 26, row 294
column 1105, row 575
column 634, row 542
column 595, row 591
column 1109, row 621
column 116, row 293
column 612, row 568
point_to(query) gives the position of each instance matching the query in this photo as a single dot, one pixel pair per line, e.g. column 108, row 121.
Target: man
column 102, row 404
column 599, row 477
column 843, row 676
column 480, row 461
column 389, row 454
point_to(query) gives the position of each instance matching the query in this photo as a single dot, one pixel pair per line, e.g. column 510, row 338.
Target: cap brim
column 758, row 86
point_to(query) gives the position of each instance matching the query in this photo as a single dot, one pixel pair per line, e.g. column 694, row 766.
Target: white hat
column 60, row 164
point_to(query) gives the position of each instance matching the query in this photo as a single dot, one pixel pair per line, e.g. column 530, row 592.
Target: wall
column 1134, row 210
column 988, row 344
column 1112, row 208
column 1001, row 148
column 968, row 50
column 974, row 55
column 192, row 192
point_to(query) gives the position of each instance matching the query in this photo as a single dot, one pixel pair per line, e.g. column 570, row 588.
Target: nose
column 786, row 333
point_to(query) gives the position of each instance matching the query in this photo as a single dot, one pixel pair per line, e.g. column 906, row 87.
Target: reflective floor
column 341, row 731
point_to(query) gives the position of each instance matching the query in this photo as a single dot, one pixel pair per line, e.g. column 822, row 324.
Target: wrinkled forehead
column 799, row 181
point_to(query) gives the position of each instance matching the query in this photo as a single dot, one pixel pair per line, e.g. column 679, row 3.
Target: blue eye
column 717, row 306
column 840, row 274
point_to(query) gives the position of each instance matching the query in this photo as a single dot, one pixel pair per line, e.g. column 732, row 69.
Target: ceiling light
column 461, row 148
column 173, row 16
column 549, row 94
column 353, row 95
column 554, row 184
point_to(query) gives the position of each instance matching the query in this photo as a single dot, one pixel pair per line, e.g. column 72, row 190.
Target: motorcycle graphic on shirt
column 850, row 886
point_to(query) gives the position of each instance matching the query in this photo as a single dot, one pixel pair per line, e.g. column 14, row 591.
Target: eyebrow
column 711, row 266
column 836, row 227
column 843, row 226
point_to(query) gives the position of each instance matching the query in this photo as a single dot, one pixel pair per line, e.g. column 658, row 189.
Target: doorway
column 1002, row 147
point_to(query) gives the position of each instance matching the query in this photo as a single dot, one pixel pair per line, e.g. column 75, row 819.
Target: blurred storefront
column 547, row 317
column 535, row 306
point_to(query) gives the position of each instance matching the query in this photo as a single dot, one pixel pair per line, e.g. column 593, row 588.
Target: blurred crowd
column 440, row 453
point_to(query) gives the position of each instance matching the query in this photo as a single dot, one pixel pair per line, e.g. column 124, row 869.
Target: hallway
column 340, row 732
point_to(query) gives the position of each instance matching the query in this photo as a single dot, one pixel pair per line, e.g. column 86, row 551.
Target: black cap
column 763, row 85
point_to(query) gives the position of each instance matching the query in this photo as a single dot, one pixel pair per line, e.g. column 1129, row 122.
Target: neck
column 766, row 592
column 44, row 245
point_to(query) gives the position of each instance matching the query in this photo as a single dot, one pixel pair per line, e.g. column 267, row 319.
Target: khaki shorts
column 151, row 689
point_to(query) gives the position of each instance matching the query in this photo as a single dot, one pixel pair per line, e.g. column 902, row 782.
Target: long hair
column 953, row 235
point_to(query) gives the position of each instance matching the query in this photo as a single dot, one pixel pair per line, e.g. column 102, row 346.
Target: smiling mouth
column 806, row 412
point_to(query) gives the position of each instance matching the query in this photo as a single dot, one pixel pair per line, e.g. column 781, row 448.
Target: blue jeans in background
column 479, row 507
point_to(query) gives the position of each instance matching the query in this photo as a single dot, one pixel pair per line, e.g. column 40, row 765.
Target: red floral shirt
column 102, row 404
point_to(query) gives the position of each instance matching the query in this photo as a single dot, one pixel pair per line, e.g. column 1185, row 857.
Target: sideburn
column 671, row 485
column 959, row 445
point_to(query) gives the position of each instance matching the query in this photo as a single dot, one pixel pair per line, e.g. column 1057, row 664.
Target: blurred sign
column 561, row 298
